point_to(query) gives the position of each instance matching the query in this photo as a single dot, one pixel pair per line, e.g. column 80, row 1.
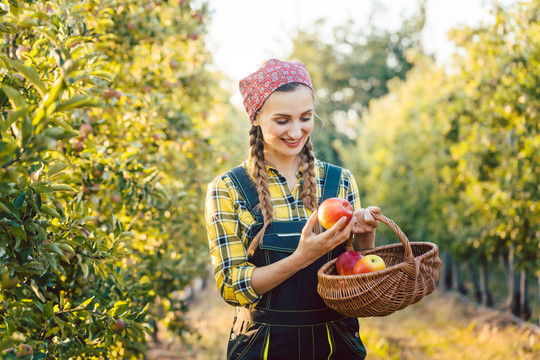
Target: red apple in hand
column 333, row 209
column 346, row 261
column 369, row 263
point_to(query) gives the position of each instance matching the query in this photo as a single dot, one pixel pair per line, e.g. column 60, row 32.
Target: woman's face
column 286, row 120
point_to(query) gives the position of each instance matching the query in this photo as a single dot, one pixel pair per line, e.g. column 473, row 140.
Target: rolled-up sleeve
column 227, row 250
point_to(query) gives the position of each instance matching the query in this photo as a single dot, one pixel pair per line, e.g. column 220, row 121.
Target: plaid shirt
column 228, row 219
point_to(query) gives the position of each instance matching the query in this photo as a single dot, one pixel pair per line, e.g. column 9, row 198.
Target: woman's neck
column 285, row 165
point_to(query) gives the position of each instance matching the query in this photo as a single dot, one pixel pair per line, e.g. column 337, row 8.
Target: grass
column 444, row 325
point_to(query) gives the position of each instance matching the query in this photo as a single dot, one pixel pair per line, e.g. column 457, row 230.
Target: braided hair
column 258, row 164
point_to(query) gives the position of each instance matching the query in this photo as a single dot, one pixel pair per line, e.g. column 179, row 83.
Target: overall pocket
column 348, row 332
column 245, row 339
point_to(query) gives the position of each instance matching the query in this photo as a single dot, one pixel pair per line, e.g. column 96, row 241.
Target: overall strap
column 332, row 178
column 248, row 190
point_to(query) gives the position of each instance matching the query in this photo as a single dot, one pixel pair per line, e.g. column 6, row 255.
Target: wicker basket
column 412, row 269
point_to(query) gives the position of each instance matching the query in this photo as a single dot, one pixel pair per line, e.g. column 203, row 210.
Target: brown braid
column 309, row 191
column 261, row 181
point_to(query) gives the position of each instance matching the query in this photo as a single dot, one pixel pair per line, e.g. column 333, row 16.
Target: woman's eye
column 306, row 119
column 281, row 122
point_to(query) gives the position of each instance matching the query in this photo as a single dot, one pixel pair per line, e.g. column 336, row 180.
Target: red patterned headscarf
column 272, row 74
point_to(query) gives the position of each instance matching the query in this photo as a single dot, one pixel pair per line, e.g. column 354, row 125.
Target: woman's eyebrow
column 287, row 115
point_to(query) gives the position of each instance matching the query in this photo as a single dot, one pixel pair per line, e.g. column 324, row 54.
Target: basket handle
column 404, row 240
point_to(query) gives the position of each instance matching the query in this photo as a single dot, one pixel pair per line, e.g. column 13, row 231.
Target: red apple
column 26, row 350
column 85, row 129
column 346, row 261
column 97, row 173
column 369, row 263
column 118, row 326
column 333, row 209
column 19, row 53
column 108, row 93
column 78, row 146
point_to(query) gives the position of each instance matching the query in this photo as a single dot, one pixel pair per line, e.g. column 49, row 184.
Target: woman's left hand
column 365, row 223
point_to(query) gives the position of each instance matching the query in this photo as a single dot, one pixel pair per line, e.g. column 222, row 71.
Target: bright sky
column 244, row 33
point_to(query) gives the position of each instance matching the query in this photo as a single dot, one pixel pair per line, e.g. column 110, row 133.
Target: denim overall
column 291, row 321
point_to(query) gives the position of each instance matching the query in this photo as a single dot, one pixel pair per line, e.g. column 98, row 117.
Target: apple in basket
column 333, row 209
column 369, row 263
column 346, row 261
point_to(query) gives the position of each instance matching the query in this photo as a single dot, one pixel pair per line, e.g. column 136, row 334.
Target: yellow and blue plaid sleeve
column 227, row 250
column 349, row 189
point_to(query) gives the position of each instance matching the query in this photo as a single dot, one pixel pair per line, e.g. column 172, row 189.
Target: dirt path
column 441, row 326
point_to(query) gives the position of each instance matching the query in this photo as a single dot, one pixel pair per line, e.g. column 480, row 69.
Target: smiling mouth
column 292, row 142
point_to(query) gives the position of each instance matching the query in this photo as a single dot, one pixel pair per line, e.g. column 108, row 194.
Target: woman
column 265, row 242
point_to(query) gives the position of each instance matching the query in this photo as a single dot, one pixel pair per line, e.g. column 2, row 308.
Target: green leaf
column 48, row 311
column 59, row 133
column 17, row 114
column 118, row 278
column 55, row 168
column 27, row 130
column 85, row 303
column 62, row 187
column 31, row 74
column 36, row 291
column 17, row 100
column 119, row 307
column 78, row 101
column 19, row 200
column 47, row 210
column 18, row 231
column 32, row 267
column 10, row 327
column 60, row 324
column 102, row 74
column 54, row 248
column 9, row 208
column 84, row 268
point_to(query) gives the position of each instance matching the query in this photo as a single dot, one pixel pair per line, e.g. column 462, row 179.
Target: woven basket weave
column 412, row 269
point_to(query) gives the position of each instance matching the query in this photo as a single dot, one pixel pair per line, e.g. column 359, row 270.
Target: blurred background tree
column 351, row 67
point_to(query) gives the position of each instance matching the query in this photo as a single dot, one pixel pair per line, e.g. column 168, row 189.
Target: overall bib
column 291, row 321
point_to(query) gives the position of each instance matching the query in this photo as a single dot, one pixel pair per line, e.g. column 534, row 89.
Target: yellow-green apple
column 9, row 282
column 333, row 209
column 369, row 263
column 346, row 261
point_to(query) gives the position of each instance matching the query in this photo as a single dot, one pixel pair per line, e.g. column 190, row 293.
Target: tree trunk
column 458, row 284
column 512, row 301
column 448, row 271
column 476, row 284
column 487, row 297
column 524, row 287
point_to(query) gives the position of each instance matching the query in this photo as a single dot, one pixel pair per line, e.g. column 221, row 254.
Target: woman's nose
column 296, row 130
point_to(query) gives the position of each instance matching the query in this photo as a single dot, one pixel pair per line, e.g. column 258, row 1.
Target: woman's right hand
column 312, row 246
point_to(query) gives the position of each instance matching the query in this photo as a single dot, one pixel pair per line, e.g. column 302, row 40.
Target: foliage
column 453, row 154
column 349, row 69
column 102, row 154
